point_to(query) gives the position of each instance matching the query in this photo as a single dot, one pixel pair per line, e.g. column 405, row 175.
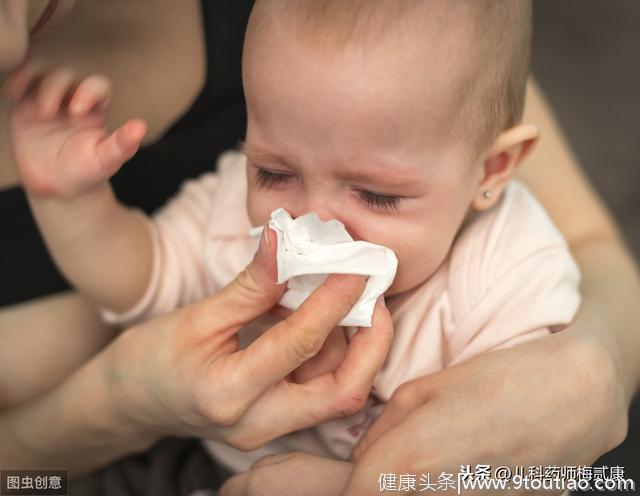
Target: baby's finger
column 52, row 90
column 120, row 146
column 407, row 398
column 93, row 92
column 21, row 80
column 382, row 424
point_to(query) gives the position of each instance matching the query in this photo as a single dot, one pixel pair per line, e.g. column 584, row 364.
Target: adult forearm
column 611, row 295
column 102, row 247
column 64, row 343
column 78, row 426
column 610, row 282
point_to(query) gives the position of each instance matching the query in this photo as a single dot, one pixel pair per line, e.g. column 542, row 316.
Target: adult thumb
column 255, row 290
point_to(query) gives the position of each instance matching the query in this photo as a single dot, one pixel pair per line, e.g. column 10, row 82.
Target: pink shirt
column 509, row 278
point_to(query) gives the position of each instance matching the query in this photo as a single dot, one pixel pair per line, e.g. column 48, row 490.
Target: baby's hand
column 60, row 142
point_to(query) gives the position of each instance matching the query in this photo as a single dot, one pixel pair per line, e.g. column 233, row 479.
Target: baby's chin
column 399, row 287
column 407, row 282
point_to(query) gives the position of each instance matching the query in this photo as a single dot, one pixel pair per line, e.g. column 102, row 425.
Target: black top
column 214, row 123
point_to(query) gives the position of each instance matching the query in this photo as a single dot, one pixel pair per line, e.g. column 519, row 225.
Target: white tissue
column 309, row 250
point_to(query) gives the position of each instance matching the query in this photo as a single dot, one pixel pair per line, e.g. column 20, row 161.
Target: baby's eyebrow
column 381, row 174
column 258, row 154
column 384, row 175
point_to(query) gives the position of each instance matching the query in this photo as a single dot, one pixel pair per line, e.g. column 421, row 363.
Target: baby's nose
column 322, row 207
column 325, row 213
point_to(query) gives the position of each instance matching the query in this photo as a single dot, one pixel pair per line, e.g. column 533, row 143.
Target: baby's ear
column 500, row 161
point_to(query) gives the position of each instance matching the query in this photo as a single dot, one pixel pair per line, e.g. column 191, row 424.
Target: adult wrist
column 89, row 429
column 128, row 406
column 596, row 362
column 106, row 414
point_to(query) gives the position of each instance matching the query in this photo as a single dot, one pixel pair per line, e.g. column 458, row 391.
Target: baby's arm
column 65, row 158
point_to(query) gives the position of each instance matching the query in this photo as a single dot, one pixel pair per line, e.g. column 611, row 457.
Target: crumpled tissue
column 310, row 249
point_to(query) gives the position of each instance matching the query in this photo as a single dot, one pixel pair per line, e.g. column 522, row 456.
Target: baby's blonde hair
column 493, row 96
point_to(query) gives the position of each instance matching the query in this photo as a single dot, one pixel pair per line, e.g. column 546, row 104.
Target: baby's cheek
column 376, row 230
column 259, row 206
column 261, row 202
column 415, row 266
column 405, row 280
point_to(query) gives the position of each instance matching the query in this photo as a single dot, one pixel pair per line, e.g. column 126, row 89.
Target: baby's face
column 18, row 18
column 358, row 136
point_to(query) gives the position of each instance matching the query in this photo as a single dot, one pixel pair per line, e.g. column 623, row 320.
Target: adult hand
column 185, row 375
column 298, row 473
column 554, row 401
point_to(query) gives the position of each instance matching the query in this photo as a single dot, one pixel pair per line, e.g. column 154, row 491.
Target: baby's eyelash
column 376, row 200
column 267, row 178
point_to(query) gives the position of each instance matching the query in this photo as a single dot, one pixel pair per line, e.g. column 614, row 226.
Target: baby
column 399, row 118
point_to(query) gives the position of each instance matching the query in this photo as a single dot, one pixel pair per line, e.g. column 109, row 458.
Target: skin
column 17, row 18
column 155, row 379
column 422, row 415
column 340, row 134
column 64, row 341
column 600, row 342
column 593, row 351
column 14, row 33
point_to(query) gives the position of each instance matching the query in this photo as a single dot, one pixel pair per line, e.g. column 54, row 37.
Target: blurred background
column 586, row 57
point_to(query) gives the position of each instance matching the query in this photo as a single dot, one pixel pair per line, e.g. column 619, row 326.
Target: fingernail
column 78, row 107
column 264, row 242
column 381, row 301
